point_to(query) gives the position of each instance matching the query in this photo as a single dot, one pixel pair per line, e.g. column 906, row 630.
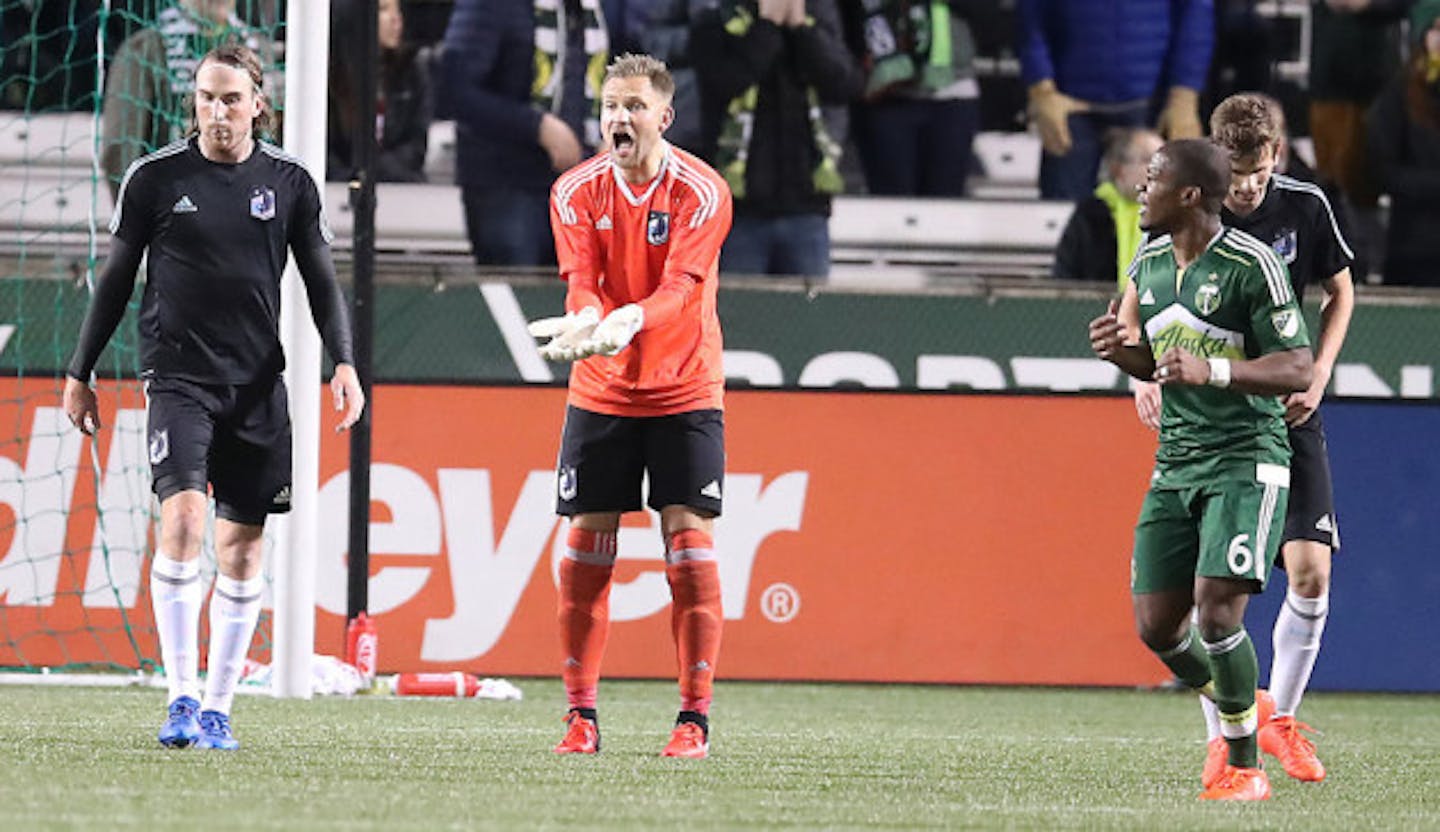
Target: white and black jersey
column 218, row 236
column 1297, row 220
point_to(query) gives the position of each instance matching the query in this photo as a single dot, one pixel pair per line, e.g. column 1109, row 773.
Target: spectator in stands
column 150, row 82
column 47, row 54
column 626, row 21
column 522, row 82
column 921, row 103
column 1246, row 51
column 1094, row 64
column 1104, row 231
column 769, row 71
column 1404, row 144
column 1355, row 48
column 666, row 37
column 402, row 104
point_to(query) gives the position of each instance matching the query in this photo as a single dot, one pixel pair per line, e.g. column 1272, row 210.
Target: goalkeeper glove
column 566, row 334
column 614, row 333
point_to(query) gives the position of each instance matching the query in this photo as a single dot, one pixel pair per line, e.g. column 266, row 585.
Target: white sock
column 1212, row 717
column 1296, row 640
column 176, row 596
column 234, row 609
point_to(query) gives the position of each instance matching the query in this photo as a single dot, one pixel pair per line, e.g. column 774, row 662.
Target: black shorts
column 233, row 438
column 1311, row 515
column 604, row 458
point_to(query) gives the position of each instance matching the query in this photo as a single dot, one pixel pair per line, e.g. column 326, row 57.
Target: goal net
column 86, row 87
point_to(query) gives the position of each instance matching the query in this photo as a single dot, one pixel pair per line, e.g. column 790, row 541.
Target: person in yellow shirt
column 1104, row 231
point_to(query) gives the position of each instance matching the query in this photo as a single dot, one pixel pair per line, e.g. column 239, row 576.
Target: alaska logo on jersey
column 1287, row 245
column 1177, row 326
column 262, row 203
column 657, row 228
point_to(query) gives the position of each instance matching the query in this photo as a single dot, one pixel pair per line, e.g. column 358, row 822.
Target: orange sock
column 585, row 612
column 696, row 616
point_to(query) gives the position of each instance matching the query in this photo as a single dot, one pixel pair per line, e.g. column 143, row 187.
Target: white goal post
column 307, row 46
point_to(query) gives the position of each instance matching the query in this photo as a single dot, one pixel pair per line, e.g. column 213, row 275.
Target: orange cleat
column 1217, row 756
column 1280, row 737
column 581, row 737
column 1238, row 783
column 1217, row 752
column 689, row 741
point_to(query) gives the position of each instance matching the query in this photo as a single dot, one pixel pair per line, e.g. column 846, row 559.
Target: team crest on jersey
column 262, row 203
column 1207, row 298
column 657, row 228
column 159, row 446
column 1287, row 245
column 1287, row 322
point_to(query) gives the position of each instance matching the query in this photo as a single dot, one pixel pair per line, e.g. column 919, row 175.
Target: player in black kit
column 1297, row 220
column 216, row 213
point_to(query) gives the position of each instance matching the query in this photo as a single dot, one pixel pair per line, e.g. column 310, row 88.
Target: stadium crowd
column 795, row 101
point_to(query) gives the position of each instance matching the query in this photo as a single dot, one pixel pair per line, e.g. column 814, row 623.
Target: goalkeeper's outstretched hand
column 567, row 334
column 615, row 332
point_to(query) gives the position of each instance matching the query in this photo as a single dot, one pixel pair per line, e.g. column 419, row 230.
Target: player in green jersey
column 1209, row 314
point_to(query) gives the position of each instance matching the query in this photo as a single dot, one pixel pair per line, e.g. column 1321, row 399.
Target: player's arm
column 327, row 309
column 327, row 303
column 1336, row 309
column 1272, row 374
column 310, row 244
column 700, row 226
column 1283, row 363
column 577, row 252
column 1116, row 336
column 700, row 222
column 107, row 307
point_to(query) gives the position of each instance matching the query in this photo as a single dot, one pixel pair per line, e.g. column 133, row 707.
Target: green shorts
column 1228, row 529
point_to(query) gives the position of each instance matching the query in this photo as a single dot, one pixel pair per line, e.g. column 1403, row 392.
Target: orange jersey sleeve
column 657, row 245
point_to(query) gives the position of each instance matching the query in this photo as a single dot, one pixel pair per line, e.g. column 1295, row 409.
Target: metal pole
column 362, row 201
column 306, row 49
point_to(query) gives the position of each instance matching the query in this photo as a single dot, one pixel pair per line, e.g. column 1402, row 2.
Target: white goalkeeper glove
column 566, row 333
column 615, row 332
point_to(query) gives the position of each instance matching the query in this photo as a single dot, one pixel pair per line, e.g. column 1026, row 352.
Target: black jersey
column 218, row 236
column 1297, row 220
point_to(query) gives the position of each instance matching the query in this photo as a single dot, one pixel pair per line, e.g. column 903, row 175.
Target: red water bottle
column 456, row 683
column 362, row 646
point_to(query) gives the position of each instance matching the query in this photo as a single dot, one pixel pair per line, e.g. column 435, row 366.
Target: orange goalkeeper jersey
column 657, row 245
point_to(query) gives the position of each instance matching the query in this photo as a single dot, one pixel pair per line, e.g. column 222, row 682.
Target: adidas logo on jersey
column 1147, row 299
column 711, row 490
column 1324, row 524
column 183, row 205
column 604, row 224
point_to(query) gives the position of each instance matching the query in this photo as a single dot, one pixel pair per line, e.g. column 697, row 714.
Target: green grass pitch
column 783, row 756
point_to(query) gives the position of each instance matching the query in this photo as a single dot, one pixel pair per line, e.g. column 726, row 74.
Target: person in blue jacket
column 1089, row 65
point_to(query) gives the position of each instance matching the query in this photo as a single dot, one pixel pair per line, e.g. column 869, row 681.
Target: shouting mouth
column 622, row 143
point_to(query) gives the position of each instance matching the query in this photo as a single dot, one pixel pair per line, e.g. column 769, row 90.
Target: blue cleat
column 215, row 732
column 181, row 728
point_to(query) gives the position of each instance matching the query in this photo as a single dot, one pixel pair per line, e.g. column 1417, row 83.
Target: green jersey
column 1234, row 301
